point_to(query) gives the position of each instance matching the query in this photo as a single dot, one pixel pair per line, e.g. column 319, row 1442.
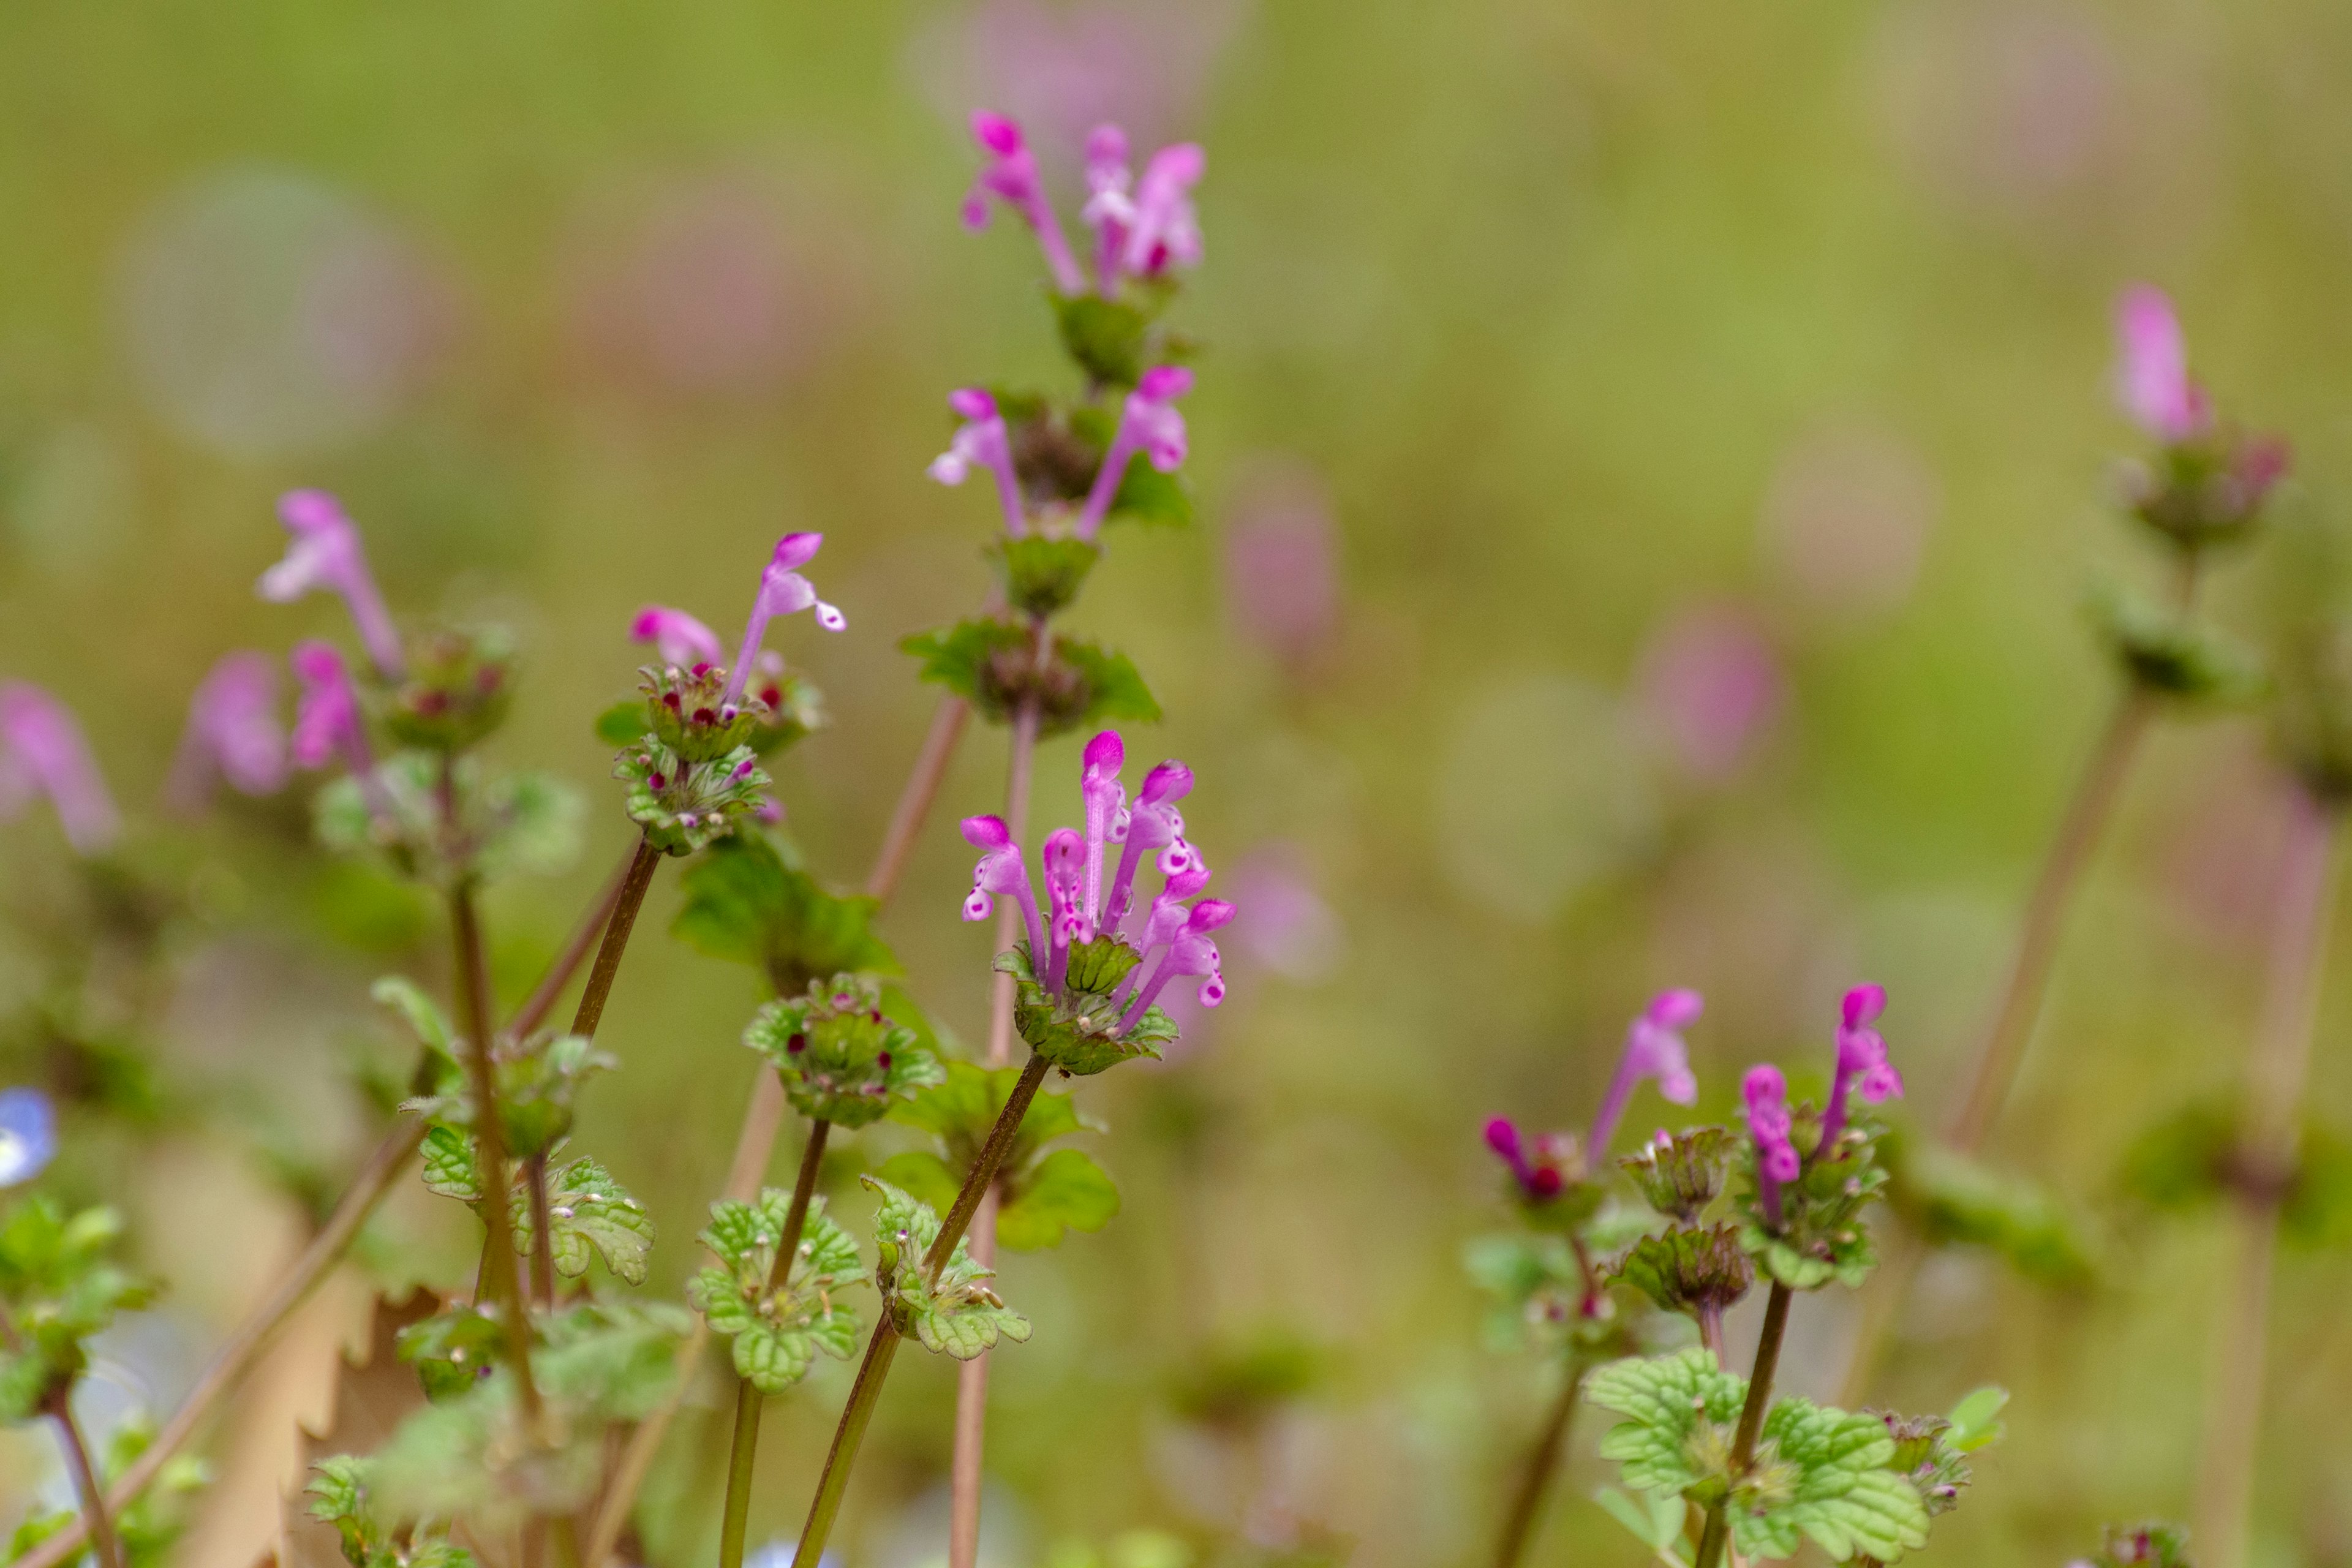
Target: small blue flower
column 28, row 1135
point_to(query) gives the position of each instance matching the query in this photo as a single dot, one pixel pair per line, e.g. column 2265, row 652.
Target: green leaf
column 1976, row 1419
column 451, row 1168
column 57, row 1287
column 955, row 1314
column 1840, row 1495
column 922, row 1175
column 2163, row 650
column 1689, row 1269
column 587, row 1209
column 531, row 827
column 1065, row 1191
column 994, row 665
column 621, row 723
column 452, row 1349
column 338, row 1490
column 776, row 1334
column 1954, row 1200
column 1655, row 1522
column 745, row 904
column 1670, row 1403
column 407, row 999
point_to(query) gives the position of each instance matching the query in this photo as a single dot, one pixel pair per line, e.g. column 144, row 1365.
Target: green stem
column 1751, row 1419
column 576, row 947
column 749, row 1402
column 883, row 1345
column 500, row 1278
column 625, row 905
column 542, row 1240
column 1527, row 1507
column 106, row 1545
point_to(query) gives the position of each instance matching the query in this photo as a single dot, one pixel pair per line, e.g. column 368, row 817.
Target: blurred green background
column 1650, row 457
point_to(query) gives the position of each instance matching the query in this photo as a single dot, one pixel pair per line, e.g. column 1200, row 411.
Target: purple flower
column 1141, row 230
column 782, row 591
column 1861, row 1059
column 327, row 710
column 1654, row 1049
column 1712, row 685
column 982, row 440
column 28, row 1135
column 1009, row 174
column 2152, row 370
column 1173, row 937
column 323, row 552
column 1151, row 425
column 677, row 637
column 1540, row 1179
column 233, row 733
column 1768, row 1122
column 42, row 752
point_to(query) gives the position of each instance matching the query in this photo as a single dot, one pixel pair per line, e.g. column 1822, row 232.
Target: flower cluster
column 1149, row 426
column 1106, row 957
column 1862, row 1066
column 1142, row 228
column 1542, row 1167
column 2209, row 480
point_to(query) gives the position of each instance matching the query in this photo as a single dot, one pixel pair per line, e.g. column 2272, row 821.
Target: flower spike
column 43, row 752
column 677, row 637
column 1151, row 425
column 327, row 710
column 1769, row 1123
column 323, row 552
column 1009, row 174
column 1654, row 1049
column 1190, row 953
column 782, row 591
column 982, row 440
column 233, row 733
column 1861, row 1059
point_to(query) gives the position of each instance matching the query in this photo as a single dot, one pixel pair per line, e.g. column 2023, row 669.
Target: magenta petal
column 1676, row 1009
column 1106, row 754
column 1864, row 1004
column 1162, row 383
column 986, row 832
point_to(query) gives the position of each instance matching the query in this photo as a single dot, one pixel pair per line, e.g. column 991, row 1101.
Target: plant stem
column 500, row 1282
column 763, row 1115
column 1710, row 1328
column 1993, row 1072
column 749, row 1401
column 106, row 1546
column 1518, row 1527
column 238, row 1353
column 576, row 948
column 876, row 1365
column 631, row 899
column 542, row 1241
column 1751, row 1419
column 972, row 1376
column 2268, row 1147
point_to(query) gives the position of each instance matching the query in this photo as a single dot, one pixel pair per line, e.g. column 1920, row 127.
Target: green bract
column 1042, row 574
column 58, row 1287
column 1821, row 1236
column 840, row 1058
column 1076, row 1031
column 776, row 1334
column 748, row 901
column 2165, row 650
column 537, row 1079
column 955, row 1314
column 514, row 824
column 1817, row 1472
column 686, row 711
column 994, row 665
column 685, row 807
column 458, row 688
column 1043, row 1195
column 1689, row 1269
column 1680, row 1177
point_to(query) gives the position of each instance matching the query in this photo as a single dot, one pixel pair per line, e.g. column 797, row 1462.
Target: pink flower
column 1152, row 823
column 1150, row 423
column 42, row 752
column 982, row 440
column 1141, row 230
column 677, row 637
column 2152, row 372
column 233, row 733
column 1861, row 1059
column 1540, row 1179
column 327, row 710
column 1009, row 174
column 323, row 552
column 1654, row 1049
column 782, row 591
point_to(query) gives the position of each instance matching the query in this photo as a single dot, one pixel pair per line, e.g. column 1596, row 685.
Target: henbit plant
column 1704, row 1450
column 2200, row 493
